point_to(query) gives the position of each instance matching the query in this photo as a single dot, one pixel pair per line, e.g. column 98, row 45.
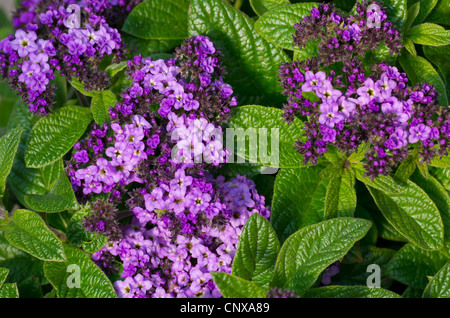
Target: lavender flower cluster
column 377, row 108
column 64, row 39
column 156, row 158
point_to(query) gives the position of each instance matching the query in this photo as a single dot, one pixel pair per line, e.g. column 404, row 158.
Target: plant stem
column 238, row 4
column 83, row 100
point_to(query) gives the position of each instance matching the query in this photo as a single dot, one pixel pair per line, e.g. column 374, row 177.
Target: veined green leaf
column 28, row 232
column 309, row 251
column 9, row 290
column 252, row 63
column 235, row 287
column 8, row 147
column 257, row 251
column 277, row 26
column 439, row 286
column 262, row 6
column 413, row 214
column 440, row 13
column 100, row 105
column 419, row 70
column 53, row 136
column 349, row 292
column 411, row 265
column 429, row 34
column 267, row 133
column 298, row 200
column 93, row 282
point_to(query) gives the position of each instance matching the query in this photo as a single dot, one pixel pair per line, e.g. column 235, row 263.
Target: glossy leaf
column 235, row 287
column 306, row 253
column 8, row 147
column 29, row 233
column 257, row 251
column 349, row 292
column 439, row 286
column 252, row 63
column 53, row 136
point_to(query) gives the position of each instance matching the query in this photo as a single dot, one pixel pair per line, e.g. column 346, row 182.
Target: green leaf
column 429, row 34
column 93, row 281
column 53, row 136
column 113, row 69
column 411, row 265
column 267, row 134
column 406, row 169
column 355, row 273
column 360, row 153
column 396, row 11
column 235, row 287
column 7, row 99
column 298, row 200
column 412, row 213
column 60, row 198
column 28, row 232
column 332, row 199
column 439, row 56
column 309, row 251
column 419, row 70
column 443, row 162
column 158, row 20
column 409, row 46
column 277, row 26
column 441, row 13
column 426, row 6
column 8, row 148
column 441, row 198
column 262, row 6
column 442, row 175
column 252, row 63
column 257, row 252
column 21, row 265
column 96, row 244
column 75, row 82
column 349, row 292
column 100, row 105
column 9, row 291
column 439, row 286
column 3, row 274
column 411, row 15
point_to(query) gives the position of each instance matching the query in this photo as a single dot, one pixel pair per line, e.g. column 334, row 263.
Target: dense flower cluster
column 339, row 37
column 155, row 157
column 64, row 39
column 376, row 108
column 114, row 11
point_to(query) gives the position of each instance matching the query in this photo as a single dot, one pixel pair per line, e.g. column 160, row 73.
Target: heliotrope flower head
column 66, row 40
column 155, row 157
column 355, row 105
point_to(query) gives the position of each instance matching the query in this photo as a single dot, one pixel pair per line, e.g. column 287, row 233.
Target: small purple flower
column 419, row 132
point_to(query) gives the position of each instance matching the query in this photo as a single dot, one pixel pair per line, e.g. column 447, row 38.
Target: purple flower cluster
column 65, row 40
column 187, row 229
column 339, row 37
column 114, row 11
column 156, row 157
column 358, row 106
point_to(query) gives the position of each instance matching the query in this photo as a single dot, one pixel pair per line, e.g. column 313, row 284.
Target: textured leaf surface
column 262, row 6
column 306, row 253
column 349, row 292
column 3, row 274
column 257, row 251
column 439, row 286
column 9, row 290
column 412, row 213
column 235, row 287
column 158, row 20
column 93, row 281
column 29, row 233
column 265, row 122
column 60, row 198
column 411, row 265
column 429, row 34
column 419, row 70
column 100, row 105
column 53, row 136
column 277, row 26
column 298, row 200
column 8, row 147
column 252, row 63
